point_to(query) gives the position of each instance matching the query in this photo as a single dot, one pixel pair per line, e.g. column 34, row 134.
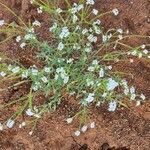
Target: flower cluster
column 140, row 52
column 2, row 22
column 84, row 128
column 73, row 62
column 60, row 72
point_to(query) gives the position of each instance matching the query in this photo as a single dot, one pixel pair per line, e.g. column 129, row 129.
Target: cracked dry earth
column 121, row 130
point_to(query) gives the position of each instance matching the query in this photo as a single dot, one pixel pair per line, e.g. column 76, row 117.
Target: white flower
column 84, row 128
column 10, row 67
column 66, row 79
column 145, row 51
column 1, row 127
column 69, row 120
column 138, row 103
column 90, row 2
column 112, row 106
column 73, row 10
column 36, row 109
column 77, row 28
column 97, row 30
column 120, row 30
column 64, row 33
column 90, row 98
column 22, row 45
column 92, row 125
column 2, row 22
column 44, row 79
column 72, row 93
column 92, row 38
column 104, row 38
column 142, row 96
column 58, row 10
column 132, row 90
column 39, row 10
column 10, row 123
column 3, row 74
column 109, row 67
column 101, row 73
column 87, row 49
column 84, row 91
column 47, row 69
column 84, row 31
column 91, row 68
column 112, row 84
column 133, row 96
column 126, row 91
column 60, row 70
column 95, row 12
column 37, row 115
column 60, row 46
column 22, row 124
column 16, row 69
column 32, row 1
column 104, row 95
column 140, row 55
column 25, row 74
column 134, row 52
column 35, row 87
column 89, row 82
column 29, row 112
column 63, row 75
column 76, row 46
column 79, row 7
column 97, row 22
column 30, row 30
column 18, row 38
column 34, row 71
column 70, row 60
column 53, row 27
column 120, row 37
column 95, row 62
column 77, row 133
column 91, row 30
column 56, row 76
column 76, row 8
column 31, row 132
column 124, row 83
column 143, row 46
column 115, row 11
column 109, row 36
column 36, row 23
column 29, row 36
column 75, row 18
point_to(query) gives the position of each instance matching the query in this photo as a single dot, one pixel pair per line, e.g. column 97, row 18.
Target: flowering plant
column 78, row 61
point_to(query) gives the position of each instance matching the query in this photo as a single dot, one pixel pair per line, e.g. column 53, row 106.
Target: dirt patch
column 121, row 130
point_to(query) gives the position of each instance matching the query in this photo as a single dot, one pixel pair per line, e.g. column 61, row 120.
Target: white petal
column 10, row 123
column 77, row 133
